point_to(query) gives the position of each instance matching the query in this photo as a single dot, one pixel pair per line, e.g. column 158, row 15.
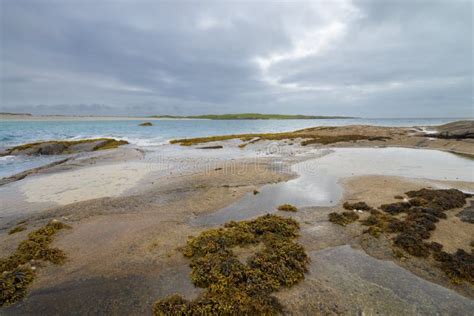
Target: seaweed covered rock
column 343, row 218
column 413, row 244
column 361, row 206
column 64, row 147
column 458, row 266
column 16, row 273
column 287, row 208
column 442, row 200
column 14, row 284
column 395, row 208
column 233, row 287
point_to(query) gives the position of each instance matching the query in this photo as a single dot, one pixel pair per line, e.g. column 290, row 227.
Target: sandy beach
column 131, row 211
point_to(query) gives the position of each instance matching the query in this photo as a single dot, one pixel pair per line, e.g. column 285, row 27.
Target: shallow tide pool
column 317, row 183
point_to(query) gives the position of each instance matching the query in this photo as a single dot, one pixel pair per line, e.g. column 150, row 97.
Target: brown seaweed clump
column 362, row 206
column 425, row 208
column 17, row 229
column 14, row 284
column 16, row 271
column 458, row 266
column 287, row 208
column 343, row 218
column 235, row 288
column 442, row 200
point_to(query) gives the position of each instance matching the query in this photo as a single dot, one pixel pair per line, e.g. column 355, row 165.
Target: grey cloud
column 146, row 57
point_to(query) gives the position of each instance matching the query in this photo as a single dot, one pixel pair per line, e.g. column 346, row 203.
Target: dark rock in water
column 146, row 124
column 212, row 147
column 467, row 214
column 456, row 130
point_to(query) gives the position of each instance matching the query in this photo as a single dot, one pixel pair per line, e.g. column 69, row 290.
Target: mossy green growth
column 233, row 287
column 110, row 144
column 343, row 218
column 287, row 208
column 17, row 229
column 14, row 284
column 16, row 274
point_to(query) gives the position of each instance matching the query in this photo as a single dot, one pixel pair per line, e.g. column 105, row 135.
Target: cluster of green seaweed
column 16, row 270
column 287, row 208
column 17, row 229
column 343, row 218
column 422, row 211
column 235, row 288
column 350, row 215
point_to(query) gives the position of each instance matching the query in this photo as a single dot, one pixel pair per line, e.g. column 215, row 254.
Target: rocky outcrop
column 63, row 147
column 456, row 130
column 146, row 124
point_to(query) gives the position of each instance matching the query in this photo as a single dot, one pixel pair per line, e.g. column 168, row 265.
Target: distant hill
column 11, row 114
column 252, row 116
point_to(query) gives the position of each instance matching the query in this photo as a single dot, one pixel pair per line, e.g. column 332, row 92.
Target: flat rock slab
column 355, row 283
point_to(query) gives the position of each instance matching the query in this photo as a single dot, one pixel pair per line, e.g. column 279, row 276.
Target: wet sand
column 130, row 215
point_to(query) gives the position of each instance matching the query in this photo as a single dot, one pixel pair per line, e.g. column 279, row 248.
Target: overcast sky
column 376, row 58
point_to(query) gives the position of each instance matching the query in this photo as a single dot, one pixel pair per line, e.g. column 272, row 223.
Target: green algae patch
column 17, row 229
column 233, row 287
column 110, row 144
column 343, row 218
column 16, row 270
column 287, row 208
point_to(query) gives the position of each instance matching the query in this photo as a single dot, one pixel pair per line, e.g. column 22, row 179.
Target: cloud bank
column 363, row 58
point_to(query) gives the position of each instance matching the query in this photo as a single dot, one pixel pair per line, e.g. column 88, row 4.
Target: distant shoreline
column 245, row 116
column 30, row 117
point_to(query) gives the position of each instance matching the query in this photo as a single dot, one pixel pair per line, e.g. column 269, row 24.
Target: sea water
column 25, row 131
